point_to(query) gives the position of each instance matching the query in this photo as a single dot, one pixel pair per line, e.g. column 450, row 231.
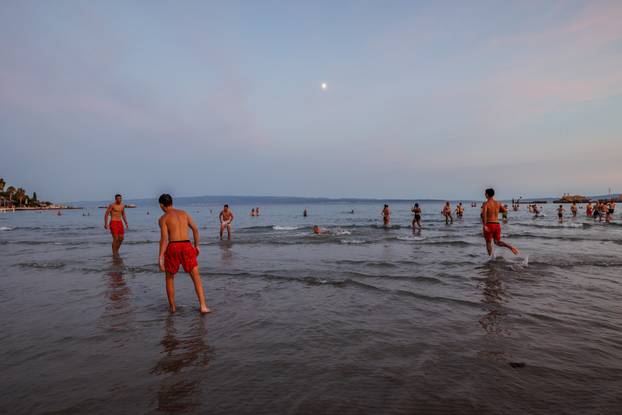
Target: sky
column 424, row 99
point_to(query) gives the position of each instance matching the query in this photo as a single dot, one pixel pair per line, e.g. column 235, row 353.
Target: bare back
column 491, row 211
column 175, row 224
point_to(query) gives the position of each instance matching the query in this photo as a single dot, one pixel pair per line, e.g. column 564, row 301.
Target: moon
column 324, row 85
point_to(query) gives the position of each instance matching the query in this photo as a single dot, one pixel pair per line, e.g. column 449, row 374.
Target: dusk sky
column 423, row 100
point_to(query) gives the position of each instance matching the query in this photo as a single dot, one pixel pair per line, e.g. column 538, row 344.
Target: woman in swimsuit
column 417, row 219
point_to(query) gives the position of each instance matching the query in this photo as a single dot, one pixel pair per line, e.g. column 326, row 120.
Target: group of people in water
column 601, row 210
column 177, row 251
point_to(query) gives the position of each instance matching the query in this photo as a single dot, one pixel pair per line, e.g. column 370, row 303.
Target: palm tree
column 20, row 194
column 2, row 184
column 10, row 191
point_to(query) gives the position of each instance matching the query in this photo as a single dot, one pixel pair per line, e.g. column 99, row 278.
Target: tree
column 10, row 191
column 34, row 197
column 2, row 184
column 20, row 195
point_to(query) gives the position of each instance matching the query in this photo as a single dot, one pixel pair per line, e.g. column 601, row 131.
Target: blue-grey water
column 365, row 320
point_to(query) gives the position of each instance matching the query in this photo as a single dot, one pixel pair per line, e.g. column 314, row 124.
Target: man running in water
column 226, row 217
column 116, row 211
column 447, row 213
column 386, row 215
column 417, row 219
column 490, row 220
column 176, row 250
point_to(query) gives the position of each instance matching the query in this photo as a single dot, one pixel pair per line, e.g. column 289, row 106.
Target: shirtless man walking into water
column 490, row 220
column 459, row 210
column 176, row 250
column 226, row 217
column 386, row 215
column 447, row 213
column 116, row 211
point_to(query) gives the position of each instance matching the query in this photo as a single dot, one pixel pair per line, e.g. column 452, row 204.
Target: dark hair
column 490, row 192
column 385, row 205
column 416, row 204
column 117, row 195
column 165, row 200
column 226, row 206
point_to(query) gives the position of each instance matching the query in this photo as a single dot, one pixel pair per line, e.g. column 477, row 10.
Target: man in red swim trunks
column 176, row 250
column 490, row 220
column 116, row 211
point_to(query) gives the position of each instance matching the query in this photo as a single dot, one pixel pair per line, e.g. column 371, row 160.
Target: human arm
column 195, row 233
column 124, row 218
column 106, row 217
column 163, row 242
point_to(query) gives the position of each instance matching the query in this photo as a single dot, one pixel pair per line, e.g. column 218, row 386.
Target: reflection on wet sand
column 118, row 295
column 226, row 255
column 493, row 292
column 183, row 365
column 493, row 298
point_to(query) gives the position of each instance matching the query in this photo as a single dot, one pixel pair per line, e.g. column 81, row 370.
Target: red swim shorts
column 180, row 253
column 494, row 232
column 116, row 228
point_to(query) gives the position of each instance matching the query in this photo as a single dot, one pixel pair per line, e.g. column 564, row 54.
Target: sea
column 364, row 320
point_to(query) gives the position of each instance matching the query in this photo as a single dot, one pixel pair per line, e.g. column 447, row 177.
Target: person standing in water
column 253, row 212
column 225, row 217
column 176, row 250
column 573, row 209
column 588, row 210
column 305, row 213
column 560, row 213
column 417, row 219
column 447, row 213
column 490, row 220
column 116, row 211
column 459, row 210
column 386, row 215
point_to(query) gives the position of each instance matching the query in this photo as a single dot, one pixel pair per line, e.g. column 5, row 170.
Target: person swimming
column 320, row 231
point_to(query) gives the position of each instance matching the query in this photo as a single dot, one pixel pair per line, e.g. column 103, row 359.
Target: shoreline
column 23, row 208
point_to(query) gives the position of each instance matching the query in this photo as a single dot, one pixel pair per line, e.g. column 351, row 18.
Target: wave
column 5, row 228
column 42, row 265
column 341, row 232
column 285, row 228
column 353, row 241
column 410, row 238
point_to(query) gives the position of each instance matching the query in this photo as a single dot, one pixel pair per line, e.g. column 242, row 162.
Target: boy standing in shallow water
column 116, row 211
column 176, row 250
column 490, row 220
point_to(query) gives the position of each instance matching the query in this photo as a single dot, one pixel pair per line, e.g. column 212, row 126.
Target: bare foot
column 172, row 308
column 514, row 250
column 205, row 310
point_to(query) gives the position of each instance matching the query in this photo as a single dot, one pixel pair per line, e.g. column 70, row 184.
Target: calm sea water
column 363, row 321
